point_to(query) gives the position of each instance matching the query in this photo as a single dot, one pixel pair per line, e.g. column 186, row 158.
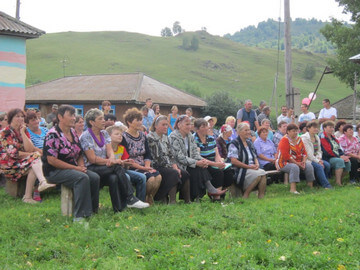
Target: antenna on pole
column 17, row 15
column 65, row 63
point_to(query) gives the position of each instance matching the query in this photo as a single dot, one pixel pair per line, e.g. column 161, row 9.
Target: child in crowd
column 138, row 179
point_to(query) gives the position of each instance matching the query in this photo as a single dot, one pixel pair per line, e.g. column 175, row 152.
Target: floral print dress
column 11, row 165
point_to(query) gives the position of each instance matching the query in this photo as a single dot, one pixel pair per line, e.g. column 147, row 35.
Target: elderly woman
column 222, row 177
column 266, row 152
column 100, row 158
column 292, row 158
column 242, row 154
column 339, row 128
column 79, row 125
column 137, row 146
column 333, row 153
column 19, row 156
column 37, row 133
column 312, row 144
column 223, row 141
column 173, row 178
column 172, row 118
column 188, row 158
column 64, row 164
column 212, row 122
column 351, row 148
column 266, row 123
column 230, row 120
column 3, row 121
column 282, row 125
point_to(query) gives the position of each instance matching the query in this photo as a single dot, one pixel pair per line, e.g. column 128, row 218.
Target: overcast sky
column 150, row 16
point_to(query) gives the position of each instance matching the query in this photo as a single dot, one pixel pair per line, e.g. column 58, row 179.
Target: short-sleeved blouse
column 137, row 148
column 88, row 143
column 38, row 139
column 57, row 145
column 266, row 148
column 207, row 150
column 11, row 165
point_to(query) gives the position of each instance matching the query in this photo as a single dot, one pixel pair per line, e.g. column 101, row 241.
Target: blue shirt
column 38, row 140
column 147, row 121
column 266, row 148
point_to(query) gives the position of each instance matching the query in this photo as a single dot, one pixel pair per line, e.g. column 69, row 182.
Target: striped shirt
column 38, row 139
column 207, row 150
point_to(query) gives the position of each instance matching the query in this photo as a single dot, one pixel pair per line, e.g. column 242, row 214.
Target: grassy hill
column 218, row 64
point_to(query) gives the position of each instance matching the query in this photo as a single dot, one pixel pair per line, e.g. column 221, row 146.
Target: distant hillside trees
column 221, row 105
column 346, row 38
column 166, row 32
column 177, row 29
column 305, row 35
column 190, row 42
column 309, row 72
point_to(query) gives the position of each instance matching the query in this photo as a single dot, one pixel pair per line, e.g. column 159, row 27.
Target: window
column 32, row 106
column 79, row 109
column 112, row 111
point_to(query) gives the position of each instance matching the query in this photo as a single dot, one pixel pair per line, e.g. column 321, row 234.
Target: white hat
column 208, row 118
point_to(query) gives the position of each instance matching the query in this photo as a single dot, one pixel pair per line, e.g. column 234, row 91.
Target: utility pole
column 17, row 16
column 288, row 61
column 355, row 97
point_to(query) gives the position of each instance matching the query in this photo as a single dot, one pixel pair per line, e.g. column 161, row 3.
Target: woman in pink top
column 351, row 148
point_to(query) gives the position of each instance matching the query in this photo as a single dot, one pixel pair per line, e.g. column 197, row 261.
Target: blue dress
column 172, row 123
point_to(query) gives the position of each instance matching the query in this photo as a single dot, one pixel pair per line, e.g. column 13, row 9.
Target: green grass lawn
column 318, row 229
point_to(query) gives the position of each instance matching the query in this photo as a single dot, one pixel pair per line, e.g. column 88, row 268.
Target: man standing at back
column 261, row 107
column 306, row 116
column 248, row 114
column 328, row 113
column 148, row 104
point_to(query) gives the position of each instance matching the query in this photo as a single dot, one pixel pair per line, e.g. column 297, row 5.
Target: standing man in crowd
column 287, row 115
column 148, row 104
column 52, row 116
column 265, row 115
column 306, row 116
column 248, row 114
column 260, row 109
column 328, row 113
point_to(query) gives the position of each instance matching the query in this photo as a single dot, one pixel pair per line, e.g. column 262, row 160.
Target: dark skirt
column 221, row 178
column 170, row 178
column 198, row 177
column 148, row 174
column 275, row 178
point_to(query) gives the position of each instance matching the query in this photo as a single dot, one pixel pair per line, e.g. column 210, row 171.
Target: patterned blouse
column 349, row 146
column 88, row 143
column 58, row 146
column 288, row 149
column 161, row 151
column 11, row 165
column 137, row 148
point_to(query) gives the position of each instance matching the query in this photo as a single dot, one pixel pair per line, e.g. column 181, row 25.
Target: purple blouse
column 266, row 148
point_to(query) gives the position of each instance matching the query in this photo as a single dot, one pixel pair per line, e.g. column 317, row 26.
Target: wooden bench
column 16, row 189
column 286, row 175
column 67, row 201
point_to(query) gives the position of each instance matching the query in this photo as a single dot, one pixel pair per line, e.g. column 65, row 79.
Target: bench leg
column 16, row 189
column 286, row 178
column 234, row 191
column 67, row 201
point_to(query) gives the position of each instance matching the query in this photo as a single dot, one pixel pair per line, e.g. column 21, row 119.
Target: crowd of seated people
column 175, row 153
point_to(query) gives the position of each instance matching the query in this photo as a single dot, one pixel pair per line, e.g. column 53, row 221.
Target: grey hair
column 91, row 116
column 241, row 126
column 264, row 121
column 248, row 100
column 266, row 108
column 262, row 103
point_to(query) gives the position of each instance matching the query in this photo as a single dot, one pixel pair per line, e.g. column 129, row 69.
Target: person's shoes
column 29, row 200
column 295, row 192
column 138, row 204
column 36, row 196
column 352, row 182
column 45, row 185
column 218, row 193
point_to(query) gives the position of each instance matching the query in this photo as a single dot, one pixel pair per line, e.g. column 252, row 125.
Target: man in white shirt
column 287, row 115
column 328, row 113
column 148, row 104
column 306, row 116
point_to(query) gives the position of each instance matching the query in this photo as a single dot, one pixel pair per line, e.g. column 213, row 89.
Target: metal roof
column 117, row 88
column 13, row 27
column 355, row 58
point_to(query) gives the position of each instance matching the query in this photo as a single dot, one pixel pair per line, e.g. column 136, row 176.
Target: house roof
column 13, row 27
column 117, row 88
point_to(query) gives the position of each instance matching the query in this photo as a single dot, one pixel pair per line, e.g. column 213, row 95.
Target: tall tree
column 166, row 32
column 347, row 41
column 177, row 28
